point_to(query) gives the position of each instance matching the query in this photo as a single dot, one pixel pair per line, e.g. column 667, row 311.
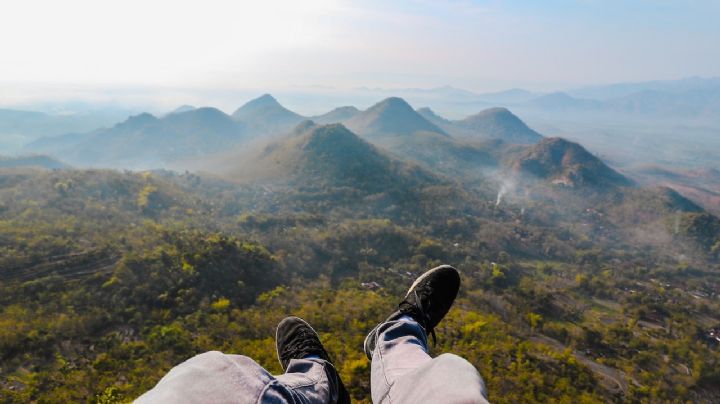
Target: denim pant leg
column 403, row 372
column 214, row 377
column 308, row 381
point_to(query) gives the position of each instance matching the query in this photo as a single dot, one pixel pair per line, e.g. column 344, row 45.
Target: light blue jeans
column 215, row 377
column 401, row 372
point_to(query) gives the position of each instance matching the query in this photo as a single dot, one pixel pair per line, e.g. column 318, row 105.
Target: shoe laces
column 419, row 312
column 303, row 344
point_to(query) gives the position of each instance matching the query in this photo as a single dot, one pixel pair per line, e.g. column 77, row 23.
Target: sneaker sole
column 277, row 353
column 425, row 275
column 367, row 337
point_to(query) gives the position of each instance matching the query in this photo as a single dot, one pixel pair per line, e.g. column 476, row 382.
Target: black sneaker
column 427, row 301
column 296, row 339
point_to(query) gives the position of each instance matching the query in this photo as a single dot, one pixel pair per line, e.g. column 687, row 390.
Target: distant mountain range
column 694, row 98
column 395, row 117
column 464, row 148
column 561, row 102
column 330, row 155
column 390, row 144
column 332, row 152
column 17, row 128
column 382, row 155
column 453, row 96
column 697, row 98
column 186, row 133
column 701, row 104
column 145, row 141
column 619, row 90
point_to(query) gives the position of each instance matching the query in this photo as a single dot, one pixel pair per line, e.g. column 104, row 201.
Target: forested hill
column 564, row 162
column 108, row 279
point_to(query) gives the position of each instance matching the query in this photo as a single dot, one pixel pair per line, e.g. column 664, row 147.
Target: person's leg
column 401, row 369
column 214, row 377
column 219, row 378
column 401, row 347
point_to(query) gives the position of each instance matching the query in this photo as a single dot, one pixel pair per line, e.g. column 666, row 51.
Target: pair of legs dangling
column 402, row 371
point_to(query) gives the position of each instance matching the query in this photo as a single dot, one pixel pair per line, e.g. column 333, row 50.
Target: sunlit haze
column 84, row 49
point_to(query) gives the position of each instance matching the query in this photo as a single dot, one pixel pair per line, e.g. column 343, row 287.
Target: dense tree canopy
column 108, row 279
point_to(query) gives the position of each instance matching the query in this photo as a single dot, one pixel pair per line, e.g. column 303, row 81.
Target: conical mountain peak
column 265, row 99
column 136, row 122
column 329, row 156
column 265, row 115
column 339, row 114
column 391, row 117
column 263, row 102
column 335, row 139
column 496, row 111
column 498, row 123
column 566, row 163
column 392, row 102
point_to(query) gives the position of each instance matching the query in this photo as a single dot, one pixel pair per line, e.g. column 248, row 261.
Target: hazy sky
column 52, row 46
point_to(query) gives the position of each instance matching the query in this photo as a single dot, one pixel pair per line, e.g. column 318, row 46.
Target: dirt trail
column 70, row 266
column 612, row 379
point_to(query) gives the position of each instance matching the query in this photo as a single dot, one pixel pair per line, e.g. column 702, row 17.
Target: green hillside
column 109, row 279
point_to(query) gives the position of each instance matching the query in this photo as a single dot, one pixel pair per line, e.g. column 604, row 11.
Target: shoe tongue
column 415, row 310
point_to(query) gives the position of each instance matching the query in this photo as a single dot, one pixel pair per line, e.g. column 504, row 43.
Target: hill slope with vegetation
column 108, row 279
